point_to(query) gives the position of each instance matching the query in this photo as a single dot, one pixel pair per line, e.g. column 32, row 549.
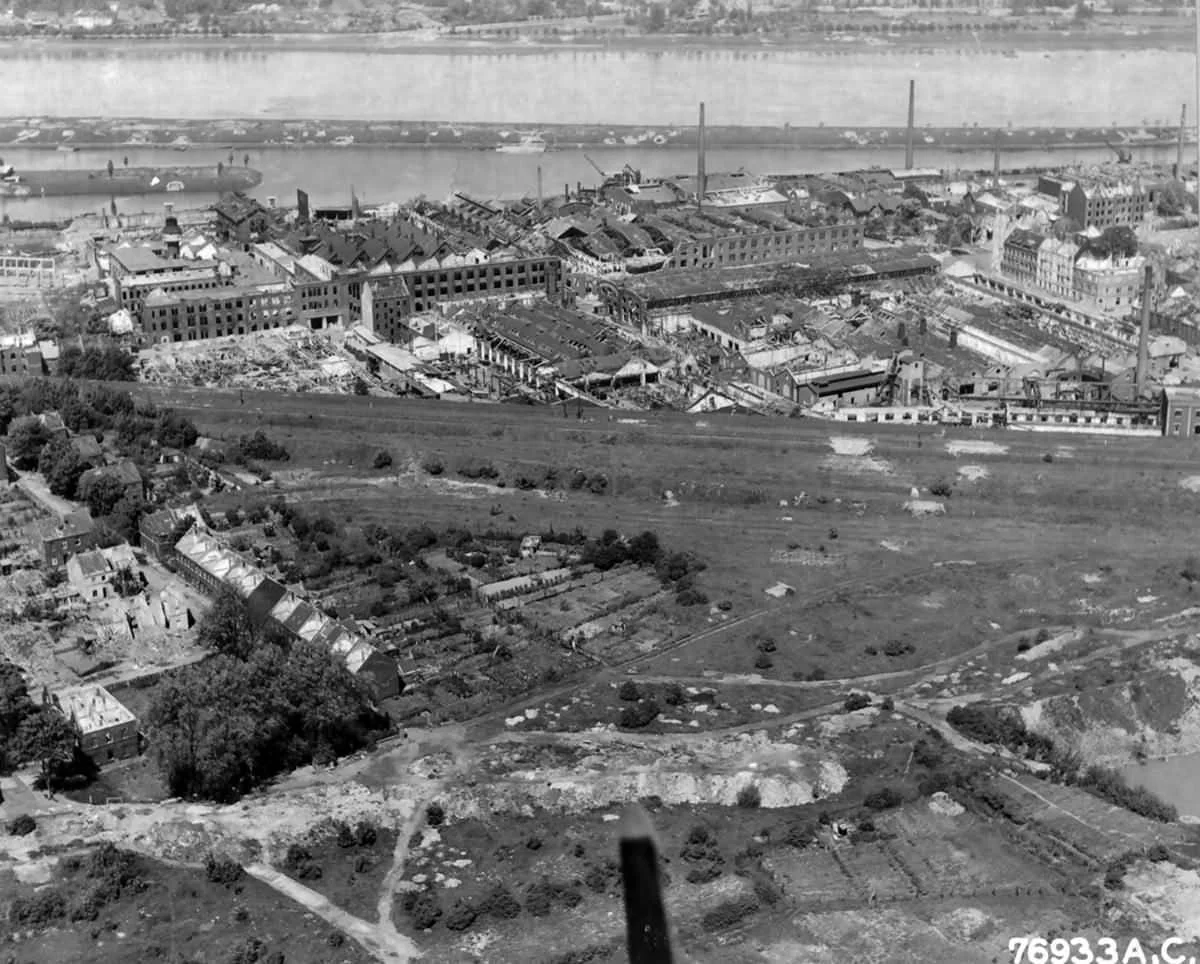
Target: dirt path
column 387, row 947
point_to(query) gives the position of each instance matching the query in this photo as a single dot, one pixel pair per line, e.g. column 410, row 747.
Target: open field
column 1028, row 520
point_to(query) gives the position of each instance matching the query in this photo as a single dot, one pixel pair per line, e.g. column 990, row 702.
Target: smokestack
column 996, row 162
column 1179, row 147
column 701, row 177
column 539, row 185
column 1143, row 355
column 908, row 146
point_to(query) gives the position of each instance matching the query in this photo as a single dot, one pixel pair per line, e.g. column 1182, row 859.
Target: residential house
column 212, row 567
column 1055, row 271
column 91, row 573
column 87, row 448
column 62, row 538
column 1111, row 284
column 124, row 472
column 159, row 531
column 52, row 422
column 105, row 728
column 1020, row 258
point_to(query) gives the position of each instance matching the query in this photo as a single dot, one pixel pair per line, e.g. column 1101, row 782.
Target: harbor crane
column 1124, row 156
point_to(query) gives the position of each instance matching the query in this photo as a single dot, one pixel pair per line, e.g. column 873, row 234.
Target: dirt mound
column 973, row 473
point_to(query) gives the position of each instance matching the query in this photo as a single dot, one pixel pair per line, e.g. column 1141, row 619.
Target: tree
column 101, row 494
column 226, row 627
column 220, row 168
column 658, row 17
column 1174, row 200
column 62, row 467
column 26, row 438
column 110, row 168
column 46, row 737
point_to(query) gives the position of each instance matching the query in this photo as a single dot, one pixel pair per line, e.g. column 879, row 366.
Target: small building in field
column 106, row 729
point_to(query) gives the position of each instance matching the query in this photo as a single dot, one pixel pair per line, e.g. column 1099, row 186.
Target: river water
column 520, row 85
column 380, row 174
column 804, row 87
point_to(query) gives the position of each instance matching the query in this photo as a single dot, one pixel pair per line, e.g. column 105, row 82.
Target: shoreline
column 965, row 34
column 91, row 134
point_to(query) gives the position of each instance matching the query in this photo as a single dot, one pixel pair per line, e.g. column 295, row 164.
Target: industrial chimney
column 701, row 176
column 1179, row 146
column 908, row 144
column 996, row 162
column 539, row 194
column 1143, row 354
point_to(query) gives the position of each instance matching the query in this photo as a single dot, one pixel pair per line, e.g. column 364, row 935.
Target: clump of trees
column 108, row 364
column 32, row 732
column 106, row 875
column 258, row 447
column 266, row 704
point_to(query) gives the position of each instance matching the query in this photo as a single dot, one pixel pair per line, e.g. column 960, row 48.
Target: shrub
column 1109, row 785
column 22, row 825
column 673, row 695
column 703, row 875
column 433, row 465
column 897, row 647
column 1043, row 635
column 382, row 460
column 763, row 661
column 1048, row 457
column 884, row 799
column 462, row 915
column 222, row 870
column 800, row 834
column 638, row 715
column 425, row 911
column 500, row 904
column 601, row 877
column 38, row 910
column 365, row 833
column 729, row 914
column 941, row 488
column 435, row 815
column 1023, row 645
column 629, row 691
column 749, row 797
column 856, row 701
column 539, row 898
column 691, row 597
column 766, row 645
column 887, row 704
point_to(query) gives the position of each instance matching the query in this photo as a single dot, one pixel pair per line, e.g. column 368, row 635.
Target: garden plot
column 812, row 876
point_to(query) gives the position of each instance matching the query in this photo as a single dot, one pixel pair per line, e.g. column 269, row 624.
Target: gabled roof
column 263, row 599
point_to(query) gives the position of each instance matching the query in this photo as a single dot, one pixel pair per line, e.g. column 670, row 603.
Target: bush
column 638, row 715
column 462, row 915
column 425, row 911
column 673, row 695
column 749, row 797
column 599, row 878
column 22, row 825
column 222, row 870
column 763, row 661
column 539, row 898
column 766, row 645
column 897, row 647
column 382, row 460
column 433, row 465
column 800, row 834
column 435, row 815
column 884, row 799
column 39, row 910
column 500, row 904
column 729, row 914
column 703, row 875
column 941, row 488
column 629, row 691
column 887, row 704
column 1047, row 457
column 856, row 701
column 691, row 597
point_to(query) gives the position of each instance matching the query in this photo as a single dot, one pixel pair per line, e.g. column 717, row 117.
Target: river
column 379, row 174
column 857, row 85
column 264, row 78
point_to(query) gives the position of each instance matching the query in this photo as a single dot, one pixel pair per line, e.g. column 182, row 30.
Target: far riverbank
column 239, row 135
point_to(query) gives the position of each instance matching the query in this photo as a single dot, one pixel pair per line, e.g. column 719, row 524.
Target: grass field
column 1028, row 516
